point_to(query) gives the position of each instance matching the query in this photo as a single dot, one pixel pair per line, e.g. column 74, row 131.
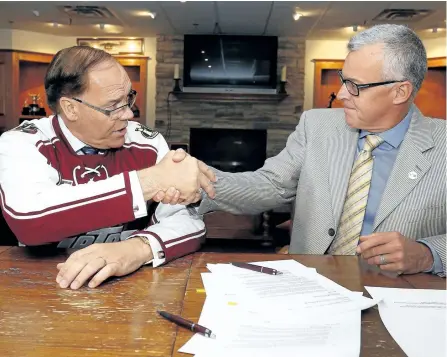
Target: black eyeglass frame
column 109, row 112
column 362, row 86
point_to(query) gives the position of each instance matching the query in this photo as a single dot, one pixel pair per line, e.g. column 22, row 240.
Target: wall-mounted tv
column 224, row 63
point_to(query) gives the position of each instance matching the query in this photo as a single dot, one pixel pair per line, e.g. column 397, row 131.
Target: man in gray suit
column 368, row 179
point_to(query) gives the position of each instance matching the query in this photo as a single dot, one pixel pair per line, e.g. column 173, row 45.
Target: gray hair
column 404, row 56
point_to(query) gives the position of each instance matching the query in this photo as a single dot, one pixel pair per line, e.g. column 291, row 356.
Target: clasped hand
column 183, row 179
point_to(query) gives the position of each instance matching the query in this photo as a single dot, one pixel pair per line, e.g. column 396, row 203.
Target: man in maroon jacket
column 87, row 174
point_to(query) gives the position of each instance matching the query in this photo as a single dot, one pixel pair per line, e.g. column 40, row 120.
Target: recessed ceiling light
column 209, row 66
column 206, row 59
column 296, row 16
column 147, row 13
column 203, row 51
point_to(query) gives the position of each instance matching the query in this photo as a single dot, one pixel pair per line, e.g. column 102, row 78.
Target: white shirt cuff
column 157, row 252
column 138, row 202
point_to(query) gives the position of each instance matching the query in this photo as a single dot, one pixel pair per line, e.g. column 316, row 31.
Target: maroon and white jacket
column 50, row 192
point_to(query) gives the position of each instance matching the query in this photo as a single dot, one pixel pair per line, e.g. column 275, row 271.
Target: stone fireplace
column 276, row 116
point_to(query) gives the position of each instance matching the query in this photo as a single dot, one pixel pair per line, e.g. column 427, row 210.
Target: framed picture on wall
column 116, row 45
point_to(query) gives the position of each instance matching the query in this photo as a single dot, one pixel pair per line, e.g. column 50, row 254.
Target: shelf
column 234, row 97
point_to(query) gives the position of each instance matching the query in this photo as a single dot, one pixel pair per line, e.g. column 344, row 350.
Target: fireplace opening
column 231, row 150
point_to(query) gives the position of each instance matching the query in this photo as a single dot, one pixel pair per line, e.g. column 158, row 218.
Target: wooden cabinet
column 22, row 73
column 431, row 98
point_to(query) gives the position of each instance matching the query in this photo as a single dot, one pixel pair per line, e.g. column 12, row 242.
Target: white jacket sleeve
column 174, row 230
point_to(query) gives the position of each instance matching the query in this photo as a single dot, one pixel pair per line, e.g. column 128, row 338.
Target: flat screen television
column 224, row 63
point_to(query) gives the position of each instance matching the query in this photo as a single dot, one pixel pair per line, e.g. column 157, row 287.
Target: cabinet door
column 431, row 97
column 6, row 91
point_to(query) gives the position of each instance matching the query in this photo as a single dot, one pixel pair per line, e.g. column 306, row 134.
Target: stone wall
column 278, row 117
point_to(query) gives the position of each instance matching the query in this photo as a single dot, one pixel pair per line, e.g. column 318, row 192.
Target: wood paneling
column 326, row 81
column 25, row 73
column 431, row 97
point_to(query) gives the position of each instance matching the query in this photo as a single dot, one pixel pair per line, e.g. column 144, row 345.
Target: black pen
column 257, row 268
column 180, row 321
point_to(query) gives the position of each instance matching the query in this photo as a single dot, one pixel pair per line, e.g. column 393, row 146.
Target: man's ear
column 402, row 92
column 69, row 109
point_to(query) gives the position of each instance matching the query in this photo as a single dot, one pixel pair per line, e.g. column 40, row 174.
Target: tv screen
column 220, row 61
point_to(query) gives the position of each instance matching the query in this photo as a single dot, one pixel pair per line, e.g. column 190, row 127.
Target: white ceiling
column 321, row 19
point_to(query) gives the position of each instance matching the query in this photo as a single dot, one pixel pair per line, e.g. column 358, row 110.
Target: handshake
column 177, row 179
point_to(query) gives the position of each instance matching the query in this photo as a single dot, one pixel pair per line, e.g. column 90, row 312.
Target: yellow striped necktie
column 351, row 221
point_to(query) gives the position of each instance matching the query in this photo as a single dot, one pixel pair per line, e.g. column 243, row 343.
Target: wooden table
column 119, row 318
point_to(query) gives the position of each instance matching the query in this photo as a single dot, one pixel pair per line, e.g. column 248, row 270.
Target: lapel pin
column 413, row 175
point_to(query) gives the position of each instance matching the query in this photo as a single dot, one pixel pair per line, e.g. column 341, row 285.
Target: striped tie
column 351, row 220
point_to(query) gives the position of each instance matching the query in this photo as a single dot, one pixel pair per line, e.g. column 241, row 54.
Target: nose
column 127, row 115
column 343, row 93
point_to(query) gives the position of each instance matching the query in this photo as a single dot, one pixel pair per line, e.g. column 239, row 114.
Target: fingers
column 373, row 240
column 70, row 271
column 204, row 169
column 159, row 196
column 179, row 155
column 169, row 195
column 393, row 257
column 397, row 267
column 376, row 251
column 88, row 271
column 106, row 272
column 206, row 185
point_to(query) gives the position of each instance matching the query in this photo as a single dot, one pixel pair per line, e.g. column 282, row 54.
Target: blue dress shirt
column 384, row 158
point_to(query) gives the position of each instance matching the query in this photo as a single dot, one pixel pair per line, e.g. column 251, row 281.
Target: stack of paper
column 416, row 318
column 298, row 313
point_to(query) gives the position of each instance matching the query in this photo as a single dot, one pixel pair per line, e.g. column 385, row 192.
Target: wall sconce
column 102, row 26
column 434, row 30
column 355, row 28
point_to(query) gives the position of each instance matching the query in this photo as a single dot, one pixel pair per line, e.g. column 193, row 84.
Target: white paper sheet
column 249, row 334
column 296, row 289
column 415, row 318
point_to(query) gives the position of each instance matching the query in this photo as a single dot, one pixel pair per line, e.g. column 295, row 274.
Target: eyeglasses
column 113, row 113
column 354, row 88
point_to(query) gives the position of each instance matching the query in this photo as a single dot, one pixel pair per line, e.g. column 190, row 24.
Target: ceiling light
column 296, row 16
column 203, row 51
column 209, row 66
column 206, row 59
column 147, row 13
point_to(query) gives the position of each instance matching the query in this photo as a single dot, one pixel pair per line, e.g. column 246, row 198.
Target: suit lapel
column 341, row 152
column 409, row 168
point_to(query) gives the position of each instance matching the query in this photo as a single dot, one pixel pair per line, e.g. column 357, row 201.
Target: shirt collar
column 74, row 142
column 396, row 134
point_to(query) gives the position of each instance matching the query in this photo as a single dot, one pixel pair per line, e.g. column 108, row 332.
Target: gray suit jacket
column 314, row 168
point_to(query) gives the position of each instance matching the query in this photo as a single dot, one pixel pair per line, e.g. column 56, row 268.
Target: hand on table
column 101, row 261
column 392, row 251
